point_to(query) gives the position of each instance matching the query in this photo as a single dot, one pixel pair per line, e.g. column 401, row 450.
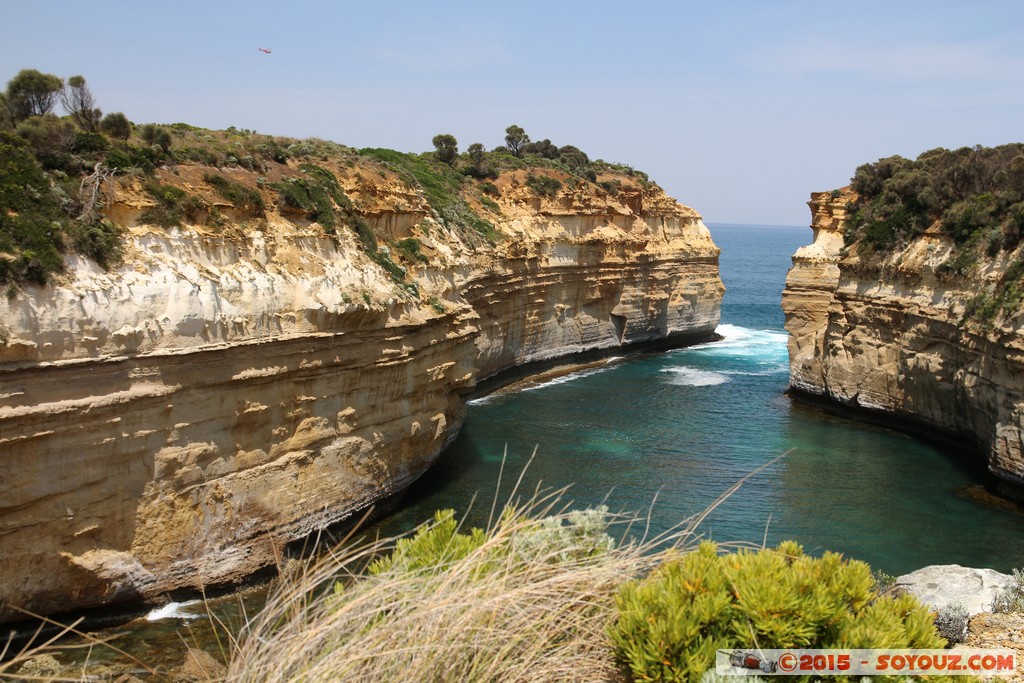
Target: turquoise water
column 685, row 425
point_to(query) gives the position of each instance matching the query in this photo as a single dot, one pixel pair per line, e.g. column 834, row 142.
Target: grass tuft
column 529, row 598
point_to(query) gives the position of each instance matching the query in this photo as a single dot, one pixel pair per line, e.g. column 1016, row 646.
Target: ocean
column 667, row 433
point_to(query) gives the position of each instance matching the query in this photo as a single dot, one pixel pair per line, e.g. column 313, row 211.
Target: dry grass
column 494, row 615
column 491, row 616
column 37, row 659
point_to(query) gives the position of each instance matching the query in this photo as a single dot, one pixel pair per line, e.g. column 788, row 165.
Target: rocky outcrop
column 239, row 384
column 940, row 585
column 897, row 335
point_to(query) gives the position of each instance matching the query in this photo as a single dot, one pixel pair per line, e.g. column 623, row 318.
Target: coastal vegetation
column 973, row 195
column 549, row 594
column 670, row 624
column 1011, row 599
column 59, row 172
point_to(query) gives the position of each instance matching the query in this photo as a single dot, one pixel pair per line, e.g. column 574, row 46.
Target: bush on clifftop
column 973, row 193
column 32, row 224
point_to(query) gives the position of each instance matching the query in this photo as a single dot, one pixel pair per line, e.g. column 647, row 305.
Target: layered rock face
column 174, row 422
column 896, row 335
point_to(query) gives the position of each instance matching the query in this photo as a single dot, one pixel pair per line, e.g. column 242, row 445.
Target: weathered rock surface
column 1005, row 630
column 939, row 585
column 892, row 335
column 172, row 423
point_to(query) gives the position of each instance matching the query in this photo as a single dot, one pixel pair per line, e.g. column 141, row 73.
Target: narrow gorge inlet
column 375, row 342
column 679, row 428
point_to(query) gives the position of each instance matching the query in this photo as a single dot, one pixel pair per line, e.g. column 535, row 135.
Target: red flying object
column 263, row 49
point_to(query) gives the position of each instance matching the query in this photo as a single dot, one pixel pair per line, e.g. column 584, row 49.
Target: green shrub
column 318, row 194
column 433, row 548
column 329, row 182
column 962, row 220
column 100, row 240
column 490, row 205
column 574, row 536
column 125, row 157
column 487, row 187
column 89, row 143
column 969, row 191
column 200, row 155
column 173, row 206
column 543, row 186
column 410, row 248
column 574, row 158
column 240, row 196
column 308, row 195
column 272, row 149
column 671, row 623
column 116, row 125
column 485, row 228
column 50, row 140
column 951, row 622
column 31, row 221
column 1011, row 598
column 155, row 135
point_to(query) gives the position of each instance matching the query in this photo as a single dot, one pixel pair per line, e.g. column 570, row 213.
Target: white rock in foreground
column 940, row 584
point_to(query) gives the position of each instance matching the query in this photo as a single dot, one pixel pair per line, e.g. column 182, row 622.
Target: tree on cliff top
column 80, row 104
column 116, row 125
column 515, row 139
column 32, row 93
column 446, row 148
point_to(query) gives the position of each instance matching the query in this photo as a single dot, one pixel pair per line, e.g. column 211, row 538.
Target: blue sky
column 739, row 109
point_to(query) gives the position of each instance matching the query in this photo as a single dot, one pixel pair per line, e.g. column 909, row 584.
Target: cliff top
column 119, row 238
column 957, row 215
column 73, row 184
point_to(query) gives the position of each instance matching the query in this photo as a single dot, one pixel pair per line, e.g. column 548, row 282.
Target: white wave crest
column 564, row 378
column 173, row 610
column 743, row 342
column 692, row 377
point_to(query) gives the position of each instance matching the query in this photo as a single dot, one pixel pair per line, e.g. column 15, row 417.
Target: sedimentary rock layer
column 896, row 335
column 174, row 422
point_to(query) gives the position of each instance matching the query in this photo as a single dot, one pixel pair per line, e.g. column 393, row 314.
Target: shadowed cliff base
column 960, row 449
column 540, row 371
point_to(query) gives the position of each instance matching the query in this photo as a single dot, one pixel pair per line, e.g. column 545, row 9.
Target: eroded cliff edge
column 900, row 333
column 248, row 377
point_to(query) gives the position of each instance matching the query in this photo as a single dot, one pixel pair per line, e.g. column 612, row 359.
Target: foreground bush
column 671, row 623
column 529, row 600
column 551, row 597
column 1011, row 598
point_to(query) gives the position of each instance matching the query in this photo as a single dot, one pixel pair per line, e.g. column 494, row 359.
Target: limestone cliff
column 899, row 334
column 247, row 378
